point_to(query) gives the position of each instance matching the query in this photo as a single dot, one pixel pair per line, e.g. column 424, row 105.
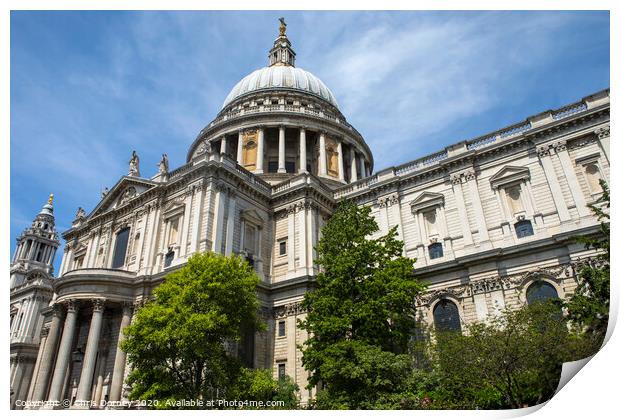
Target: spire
column 282, row 53
column 48, row 208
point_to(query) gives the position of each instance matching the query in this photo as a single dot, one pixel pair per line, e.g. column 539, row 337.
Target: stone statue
column 50, row 200
column 205, row 147
column 163, row 164
column 104, row 192
column 80, row 213
column 134, row 164
column 282, row 27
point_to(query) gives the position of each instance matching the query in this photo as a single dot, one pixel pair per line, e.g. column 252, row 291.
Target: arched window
column 524, row 228
column 120, row 248
column 540, row 291
column 435, row 250
column 446, row 316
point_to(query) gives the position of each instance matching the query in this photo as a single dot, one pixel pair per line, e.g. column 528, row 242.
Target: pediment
column 508, row 175
column 252, row 216
column 125, row 190
column 427, row 200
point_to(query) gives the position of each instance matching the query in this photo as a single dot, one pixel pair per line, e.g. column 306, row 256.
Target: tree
column 177, row 344
column 260, row 385
column 361, row 314
column 513, row 360
column 588, row 307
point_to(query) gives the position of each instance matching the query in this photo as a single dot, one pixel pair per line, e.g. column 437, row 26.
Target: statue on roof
column 80, row 213
column 50, row 200
column 134, row 165
column 282, row 27
column 163, row 164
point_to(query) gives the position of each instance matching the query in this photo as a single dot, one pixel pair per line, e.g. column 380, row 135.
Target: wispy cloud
column 87, row 88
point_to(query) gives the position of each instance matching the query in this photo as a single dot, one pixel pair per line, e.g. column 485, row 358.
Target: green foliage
column 361, row 314
column 588, row 307
column 176, row 344
column 260, row 385
column 514, row 360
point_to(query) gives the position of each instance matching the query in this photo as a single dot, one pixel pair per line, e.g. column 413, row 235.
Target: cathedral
column 490, row 221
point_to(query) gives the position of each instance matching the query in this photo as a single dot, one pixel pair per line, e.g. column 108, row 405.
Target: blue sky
column 89, row 87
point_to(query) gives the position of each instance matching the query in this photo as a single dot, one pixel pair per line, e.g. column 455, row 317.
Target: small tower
column 282, row 53
column 31, row 292
column 36, row 247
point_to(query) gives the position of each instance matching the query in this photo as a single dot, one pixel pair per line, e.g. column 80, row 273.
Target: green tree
column 361, row 314
column 588, row 307
column 513, row 360
column 177, row 342
column 260, row 385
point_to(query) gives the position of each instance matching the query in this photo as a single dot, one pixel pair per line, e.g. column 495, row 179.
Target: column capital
column 71, row 305
column 98, row 305
column 127, row 307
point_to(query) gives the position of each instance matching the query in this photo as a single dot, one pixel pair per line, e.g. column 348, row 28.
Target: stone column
column 363, row 166
column 474, row 194
column 47, row 358
column 281, row 150
column 303, row 158
column 291, row 212
column 218, row 217
column 353, row 166
column 90, row 354
column 322, row 155
column 119, row 361
column 230, row 224
column 459, row 199
column 240, row 148
column 100, row 377
column 571, row 179
column 340, row 163
column 223, row 145
column 260, row 151
column 198, row 195
column 64, row 353
column 544, row 154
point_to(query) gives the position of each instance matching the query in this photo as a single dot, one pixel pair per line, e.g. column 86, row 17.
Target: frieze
column 290, row 309
column 602, row 132
column 491, row 284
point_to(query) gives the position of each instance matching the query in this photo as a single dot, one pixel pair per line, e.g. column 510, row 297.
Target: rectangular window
column 290, row 167
column 435, row 251
column 249, row 239
column 281, row 371
column 281, row 328
column 272, row 167
column 282, row 247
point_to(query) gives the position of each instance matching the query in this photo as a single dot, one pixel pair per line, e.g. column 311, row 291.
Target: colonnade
column 55, row 359
column 355, row 158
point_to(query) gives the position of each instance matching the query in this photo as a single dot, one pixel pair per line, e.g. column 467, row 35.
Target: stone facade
column 485, row 219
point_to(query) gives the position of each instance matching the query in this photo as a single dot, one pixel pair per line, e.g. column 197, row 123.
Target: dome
column 286, row 77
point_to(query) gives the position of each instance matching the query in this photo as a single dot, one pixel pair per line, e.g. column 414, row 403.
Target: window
column 446, row 316
column 290, row 167
column 169, row 257
column 120, row 248
column 435, row 250
column 281, row 371
column 593, row 177
column 540, row 291
column 272, row 167
column 524, row 228
column 79, row 261
column 282, row 247
column 39, row 256
column 281, row 328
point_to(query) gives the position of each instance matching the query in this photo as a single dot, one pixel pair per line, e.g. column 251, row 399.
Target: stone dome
column 281, row 77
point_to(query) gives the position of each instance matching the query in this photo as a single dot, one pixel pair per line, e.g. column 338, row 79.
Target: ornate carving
column 72, row 305
column 544, row 150
column 290, row 309
column 559, row 145
column 602, row 132
column 463, row 177
column 98, row 305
